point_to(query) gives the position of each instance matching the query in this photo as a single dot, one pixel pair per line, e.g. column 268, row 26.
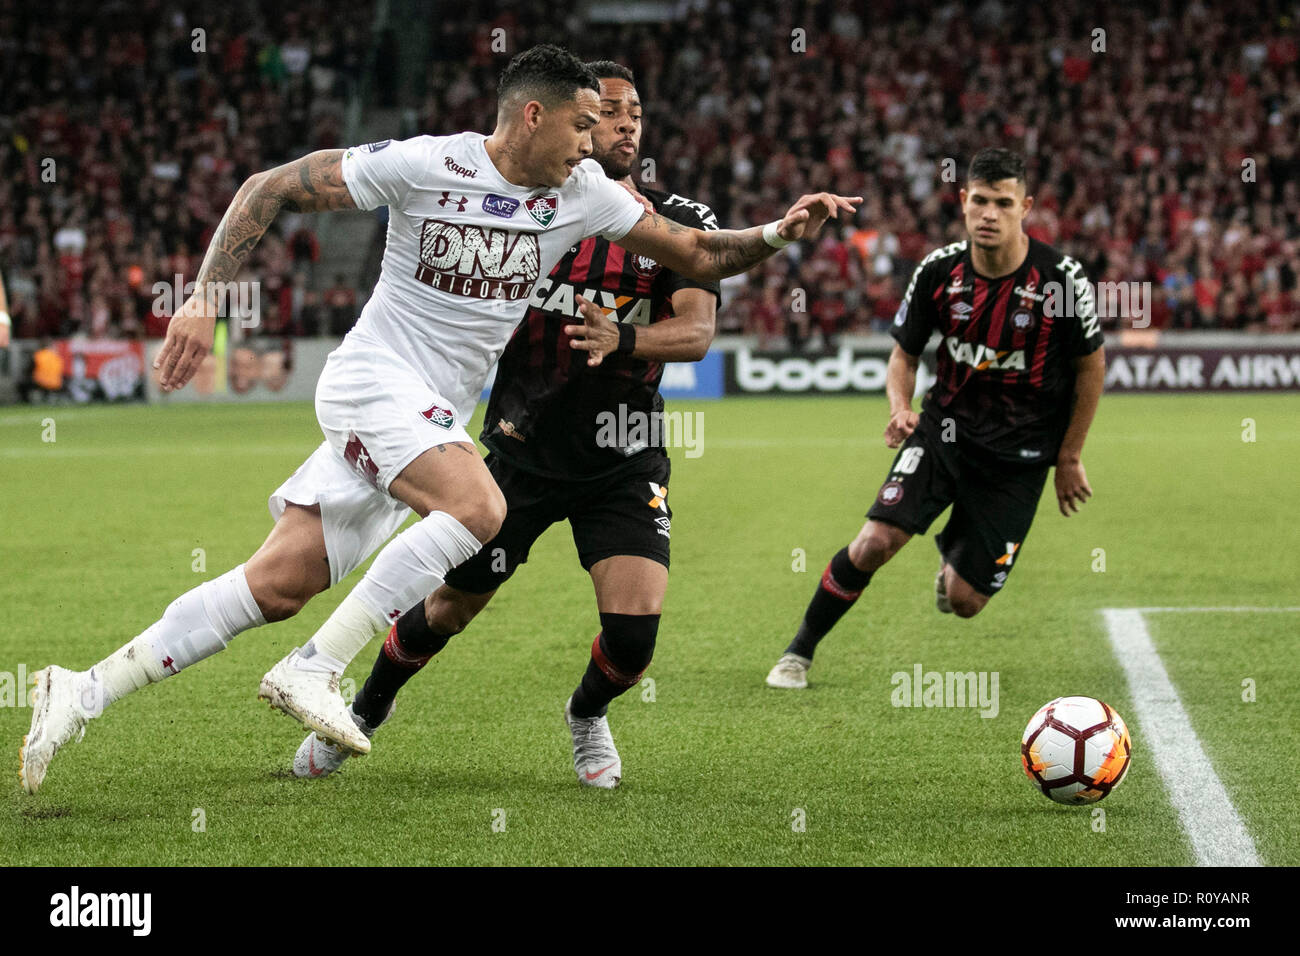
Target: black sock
column 408, row 647
column 840, row 586
column 619, row 656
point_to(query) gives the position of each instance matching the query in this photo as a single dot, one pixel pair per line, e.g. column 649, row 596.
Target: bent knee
column 482, row 516
column 280, row 600
column 876, row 544
column 965, row 601
column 448, row 611
column 283, row 588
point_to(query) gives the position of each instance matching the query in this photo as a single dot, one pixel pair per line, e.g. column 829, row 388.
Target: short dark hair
column 546, row 73
column 992, row 164
column 609, row 70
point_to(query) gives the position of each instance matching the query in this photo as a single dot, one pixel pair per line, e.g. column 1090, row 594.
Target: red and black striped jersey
column 545, row 411
column 1005, row 373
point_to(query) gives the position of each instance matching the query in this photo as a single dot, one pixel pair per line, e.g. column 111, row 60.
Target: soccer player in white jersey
column 474, row 222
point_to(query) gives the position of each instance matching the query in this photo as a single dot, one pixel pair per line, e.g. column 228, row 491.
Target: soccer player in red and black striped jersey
column 575, row 431
column 1019, row 374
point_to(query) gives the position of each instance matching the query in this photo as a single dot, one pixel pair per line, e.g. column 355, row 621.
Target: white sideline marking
column 1218, row 836
column 1204, row 610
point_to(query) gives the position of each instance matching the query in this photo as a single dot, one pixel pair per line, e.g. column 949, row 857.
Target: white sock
column 196, row 625
column 410, row 568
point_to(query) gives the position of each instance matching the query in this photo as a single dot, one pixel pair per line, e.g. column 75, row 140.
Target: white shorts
column 378, row 413
column 378, row 416
column 355, row 516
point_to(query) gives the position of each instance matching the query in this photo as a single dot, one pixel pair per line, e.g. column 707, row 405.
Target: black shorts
column 626, row 514
column 993, row 505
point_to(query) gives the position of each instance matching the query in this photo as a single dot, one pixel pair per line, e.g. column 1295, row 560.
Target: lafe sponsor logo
column 842, row 372
column 74, row 909
column 502, row 206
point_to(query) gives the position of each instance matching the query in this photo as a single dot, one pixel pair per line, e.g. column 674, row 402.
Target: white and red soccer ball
column 1076, row 749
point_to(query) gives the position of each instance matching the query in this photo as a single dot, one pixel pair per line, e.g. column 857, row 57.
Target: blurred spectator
column 44, row 379
column 340, row 306
column 1171, row 158
column 1171, row 155
column 121, row 145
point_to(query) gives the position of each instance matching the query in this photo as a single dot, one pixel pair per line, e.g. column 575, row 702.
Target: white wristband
column 5, row 320
column 773, row 238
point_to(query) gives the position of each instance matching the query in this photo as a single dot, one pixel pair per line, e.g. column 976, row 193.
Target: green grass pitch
column 101, row 527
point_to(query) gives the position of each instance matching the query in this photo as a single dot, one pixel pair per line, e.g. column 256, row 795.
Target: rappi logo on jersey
column 477, row 262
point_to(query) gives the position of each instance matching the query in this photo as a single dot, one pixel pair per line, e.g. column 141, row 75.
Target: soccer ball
column 1076, row 749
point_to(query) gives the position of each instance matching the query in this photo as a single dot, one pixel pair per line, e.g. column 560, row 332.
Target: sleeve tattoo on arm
column 726, row 251
column 313, row 183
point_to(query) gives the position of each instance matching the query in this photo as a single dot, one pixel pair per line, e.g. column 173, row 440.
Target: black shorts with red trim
column 626, row 513
column 993, row 505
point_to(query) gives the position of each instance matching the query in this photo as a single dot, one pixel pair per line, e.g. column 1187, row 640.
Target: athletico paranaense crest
column 440, row 416
column 543, row 209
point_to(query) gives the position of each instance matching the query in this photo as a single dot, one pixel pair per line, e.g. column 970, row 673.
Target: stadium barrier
column 260, row 370
column 1135, row 362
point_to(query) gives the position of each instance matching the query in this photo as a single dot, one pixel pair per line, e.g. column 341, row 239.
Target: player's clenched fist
column 189, row 340
column 805, row 218
column 901, row 425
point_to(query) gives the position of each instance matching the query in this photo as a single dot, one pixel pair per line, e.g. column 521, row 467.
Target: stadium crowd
column 126, row 128
column 1161, row 149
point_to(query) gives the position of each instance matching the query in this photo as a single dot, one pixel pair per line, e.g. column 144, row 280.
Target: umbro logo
column 960, row 311
column 446, row 200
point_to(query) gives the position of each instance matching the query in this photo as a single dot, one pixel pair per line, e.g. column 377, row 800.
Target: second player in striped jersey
column 593, row 344
column 1018, row 376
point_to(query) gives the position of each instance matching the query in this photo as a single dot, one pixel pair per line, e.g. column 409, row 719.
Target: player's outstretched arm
column 1072, row 488
column 685, row 337
column 900, row 386
column 708, row 256
column 313, row 183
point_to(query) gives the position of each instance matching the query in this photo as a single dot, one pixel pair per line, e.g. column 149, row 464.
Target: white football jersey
column 464, row 249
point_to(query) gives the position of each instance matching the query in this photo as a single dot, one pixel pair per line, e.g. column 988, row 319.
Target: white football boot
column 317, row 757
column 790, row 672
column 312, row 696
column 595, row 759
column 941, row 592
column 58, row 717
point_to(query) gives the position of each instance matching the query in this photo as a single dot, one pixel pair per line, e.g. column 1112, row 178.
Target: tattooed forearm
column 311, row 184
column 730, row 251
column 662, row 222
